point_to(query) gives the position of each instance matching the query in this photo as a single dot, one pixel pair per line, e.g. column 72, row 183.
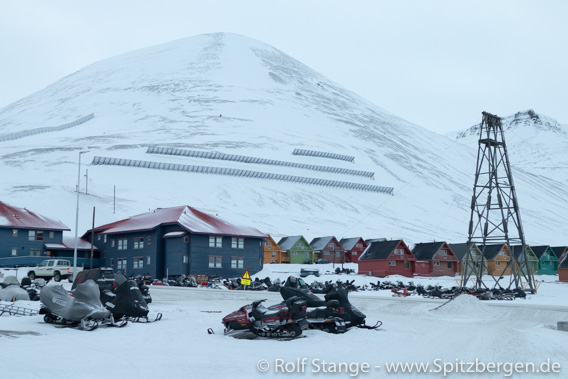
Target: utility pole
column 495, row 215
column 92, row 238
column 86, row 181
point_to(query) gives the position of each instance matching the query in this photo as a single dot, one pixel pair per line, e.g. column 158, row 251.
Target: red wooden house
column 387, row 258
column 354, row 247
column 328, row 248
column 435, row 259
column 563, row 270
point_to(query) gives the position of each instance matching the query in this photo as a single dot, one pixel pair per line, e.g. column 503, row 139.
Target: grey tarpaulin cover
column 85, row 302
column 13, row 292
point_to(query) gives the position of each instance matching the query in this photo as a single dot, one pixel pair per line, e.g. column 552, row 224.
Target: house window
column 14, row 232
column 436, row 263
column 269, row 243
column 399, row 251
column 392, row 263
column 98, row 237
column 353, row 253
column 406, row 264
column 138, row 262
column 185, row 258
column 498, row 263
column 35, row 252
column 294, row 253
column 358, row 245
column 186, row 239
column 122, row 244
column 273, row 253
column 326, row 253
column 149, row 239
column 331, row 244
column 112, row 261
column 111, row 243
column 237, row 243
column 138, row 243
column 237, row 262
column 215, row 241
column 14, row 251
column 34, row 235
column 148, row 260
column 502, row 253
column 442, row 253
column 450, row 265
column 105, row 238
column 51, row 235
column 121, row 263
column 215, row 261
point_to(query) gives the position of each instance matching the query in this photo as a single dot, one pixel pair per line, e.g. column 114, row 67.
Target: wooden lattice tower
column 495, row 216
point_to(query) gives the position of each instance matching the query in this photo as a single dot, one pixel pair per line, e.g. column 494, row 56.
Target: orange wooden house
column 497, row 257
column 273, row 252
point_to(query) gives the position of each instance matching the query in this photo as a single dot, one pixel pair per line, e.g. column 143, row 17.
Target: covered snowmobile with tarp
column 82, row 308
column 120, row 295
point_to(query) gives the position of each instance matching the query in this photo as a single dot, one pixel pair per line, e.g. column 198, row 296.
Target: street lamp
column 77, row 217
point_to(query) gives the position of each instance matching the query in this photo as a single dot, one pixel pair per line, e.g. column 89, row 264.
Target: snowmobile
column 82, row 308
column 281, row 321
column 127, row 302
column 335, row 314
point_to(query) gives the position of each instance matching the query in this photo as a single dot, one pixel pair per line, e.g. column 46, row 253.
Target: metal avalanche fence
column 322, row 154
column 47, row 129
column 107, row 161
column 246, row 159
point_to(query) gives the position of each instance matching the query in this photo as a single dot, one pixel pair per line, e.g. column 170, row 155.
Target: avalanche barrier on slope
column 247, row 159
column 323, row 154
column 107, row 161
column 47, row 129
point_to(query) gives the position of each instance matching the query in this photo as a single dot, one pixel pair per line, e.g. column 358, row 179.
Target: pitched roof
column 14, row 217
column 69, row 244
column 491, row 251
column 320, row 243
column 516, row 251
column 286, row 243
column 379, row 250
column 460, row 249
column 426, row 250
column 349, row 243
column 559, row 250
column 187, row 217
column 539, row 250
column 564, row 263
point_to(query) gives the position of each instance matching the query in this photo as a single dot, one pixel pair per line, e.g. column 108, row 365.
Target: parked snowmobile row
column 300, row 310
column 98, row 297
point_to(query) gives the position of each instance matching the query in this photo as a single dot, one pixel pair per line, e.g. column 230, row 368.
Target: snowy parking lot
column 463, row 334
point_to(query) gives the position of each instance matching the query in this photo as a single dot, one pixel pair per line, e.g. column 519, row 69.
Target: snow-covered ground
column 497, row 332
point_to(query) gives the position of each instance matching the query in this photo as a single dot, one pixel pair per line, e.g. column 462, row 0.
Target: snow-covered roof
column 187, row 217
column 320, row 243
column 349, row 243
column 14, row 217
column 69, row 244
column 286, row 243
column 175, row 233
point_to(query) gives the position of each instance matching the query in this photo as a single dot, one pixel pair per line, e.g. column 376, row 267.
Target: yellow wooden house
column 497, row 257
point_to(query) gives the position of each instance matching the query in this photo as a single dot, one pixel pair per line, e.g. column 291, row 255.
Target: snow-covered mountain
column 228, row 94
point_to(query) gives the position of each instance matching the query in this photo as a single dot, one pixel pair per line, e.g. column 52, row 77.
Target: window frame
column 138, row 243
column 122, row 244
column 237, row 262
column 217, row 261
column 137, row 263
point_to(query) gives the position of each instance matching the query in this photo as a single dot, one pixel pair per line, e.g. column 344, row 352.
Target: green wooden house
column 297, row 249
column 531, row 257
column 547, row 260
column 460, row 250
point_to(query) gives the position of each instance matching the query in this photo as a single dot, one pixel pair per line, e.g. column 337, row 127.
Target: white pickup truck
column 53, row 268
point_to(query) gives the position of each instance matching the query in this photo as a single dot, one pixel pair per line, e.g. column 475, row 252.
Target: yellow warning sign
column 245, row 279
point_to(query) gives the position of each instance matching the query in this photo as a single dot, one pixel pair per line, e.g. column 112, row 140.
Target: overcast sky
column 438, row 64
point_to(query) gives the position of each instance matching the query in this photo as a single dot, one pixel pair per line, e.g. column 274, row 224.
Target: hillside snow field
column 228, row 94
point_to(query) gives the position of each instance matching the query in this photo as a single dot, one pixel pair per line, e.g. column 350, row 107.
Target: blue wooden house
column 547, row 260
column 24, row 236
column 169, row 242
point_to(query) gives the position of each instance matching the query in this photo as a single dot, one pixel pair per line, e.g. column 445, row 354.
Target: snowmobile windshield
column 119, row 278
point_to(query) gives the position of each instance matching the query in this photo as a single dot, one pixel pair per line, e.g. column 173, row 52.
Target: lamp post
column 77, row 217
